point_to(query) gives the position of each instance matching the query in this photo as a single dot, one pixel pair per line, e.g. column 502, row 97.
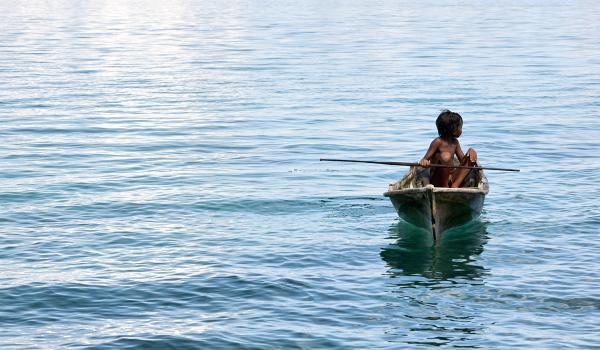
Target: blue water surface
column 161, row 188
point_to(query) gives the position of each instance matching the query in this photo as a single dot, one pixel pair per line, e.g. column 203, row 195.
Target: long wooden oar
column 415, row 164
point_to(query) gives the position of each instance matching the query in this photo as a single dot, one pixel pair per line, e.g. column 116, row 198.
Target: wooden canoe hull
column 437, row 209
column 413, row 205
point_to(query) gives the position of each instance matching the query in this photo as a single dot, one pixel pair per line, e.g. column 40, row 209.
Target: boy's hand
column 424, row 163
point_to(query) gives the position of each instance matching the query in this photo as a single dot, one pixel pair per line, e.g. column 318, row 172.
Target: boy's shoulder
column 439, row 140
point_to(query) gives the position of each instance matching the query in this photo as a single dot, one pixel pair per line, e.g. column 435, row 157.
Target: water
column 160, row 183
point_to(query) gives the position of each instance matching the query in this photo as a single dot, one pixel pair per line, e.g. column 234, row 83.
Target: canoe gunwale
column 436, row 189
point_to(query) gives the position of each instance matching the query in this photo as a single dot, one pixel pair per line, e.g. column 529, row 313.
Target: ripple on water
column 161, row 184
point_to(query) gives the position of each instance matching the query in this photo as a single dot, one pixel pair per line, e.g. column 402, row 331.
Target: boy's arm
column 459, row 153
column 433, row 147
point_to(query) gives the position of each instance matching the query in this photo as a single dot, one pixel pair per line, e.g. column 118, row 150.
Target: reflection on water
column 450, row 271
column 414, row 253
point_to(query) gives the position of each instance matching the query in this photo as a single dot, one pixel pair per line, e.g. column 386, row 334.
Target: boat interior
column 418, row 177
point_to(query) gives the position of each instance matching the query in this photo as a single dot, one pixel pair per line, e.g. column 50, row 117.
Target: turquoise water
column 160, row 184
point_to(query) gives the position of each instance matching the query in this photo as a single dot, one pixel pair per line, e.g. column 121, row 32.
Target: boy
column 443, row 149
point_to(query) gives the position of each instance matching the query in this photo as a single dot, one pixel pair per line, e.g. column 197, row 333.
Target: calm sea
column 160, row 183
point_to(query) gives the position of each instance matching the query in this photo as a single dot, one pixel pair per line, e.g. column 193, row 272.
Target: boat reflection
column 413, row 253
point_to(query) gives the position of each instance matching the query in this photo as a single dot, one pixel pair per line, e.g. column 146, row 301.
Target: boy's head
column 448, row 122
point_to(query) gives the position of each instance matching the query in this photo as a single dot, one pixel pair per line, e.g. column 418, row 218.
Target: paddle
column 415, row 164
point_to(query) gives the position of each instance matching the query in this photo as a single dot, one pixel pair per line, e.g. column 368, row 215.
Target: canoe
column 437, row 209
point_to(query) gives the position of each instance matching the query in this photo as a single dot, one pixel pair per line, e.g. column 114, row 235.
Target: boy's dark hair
column 447, row 122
